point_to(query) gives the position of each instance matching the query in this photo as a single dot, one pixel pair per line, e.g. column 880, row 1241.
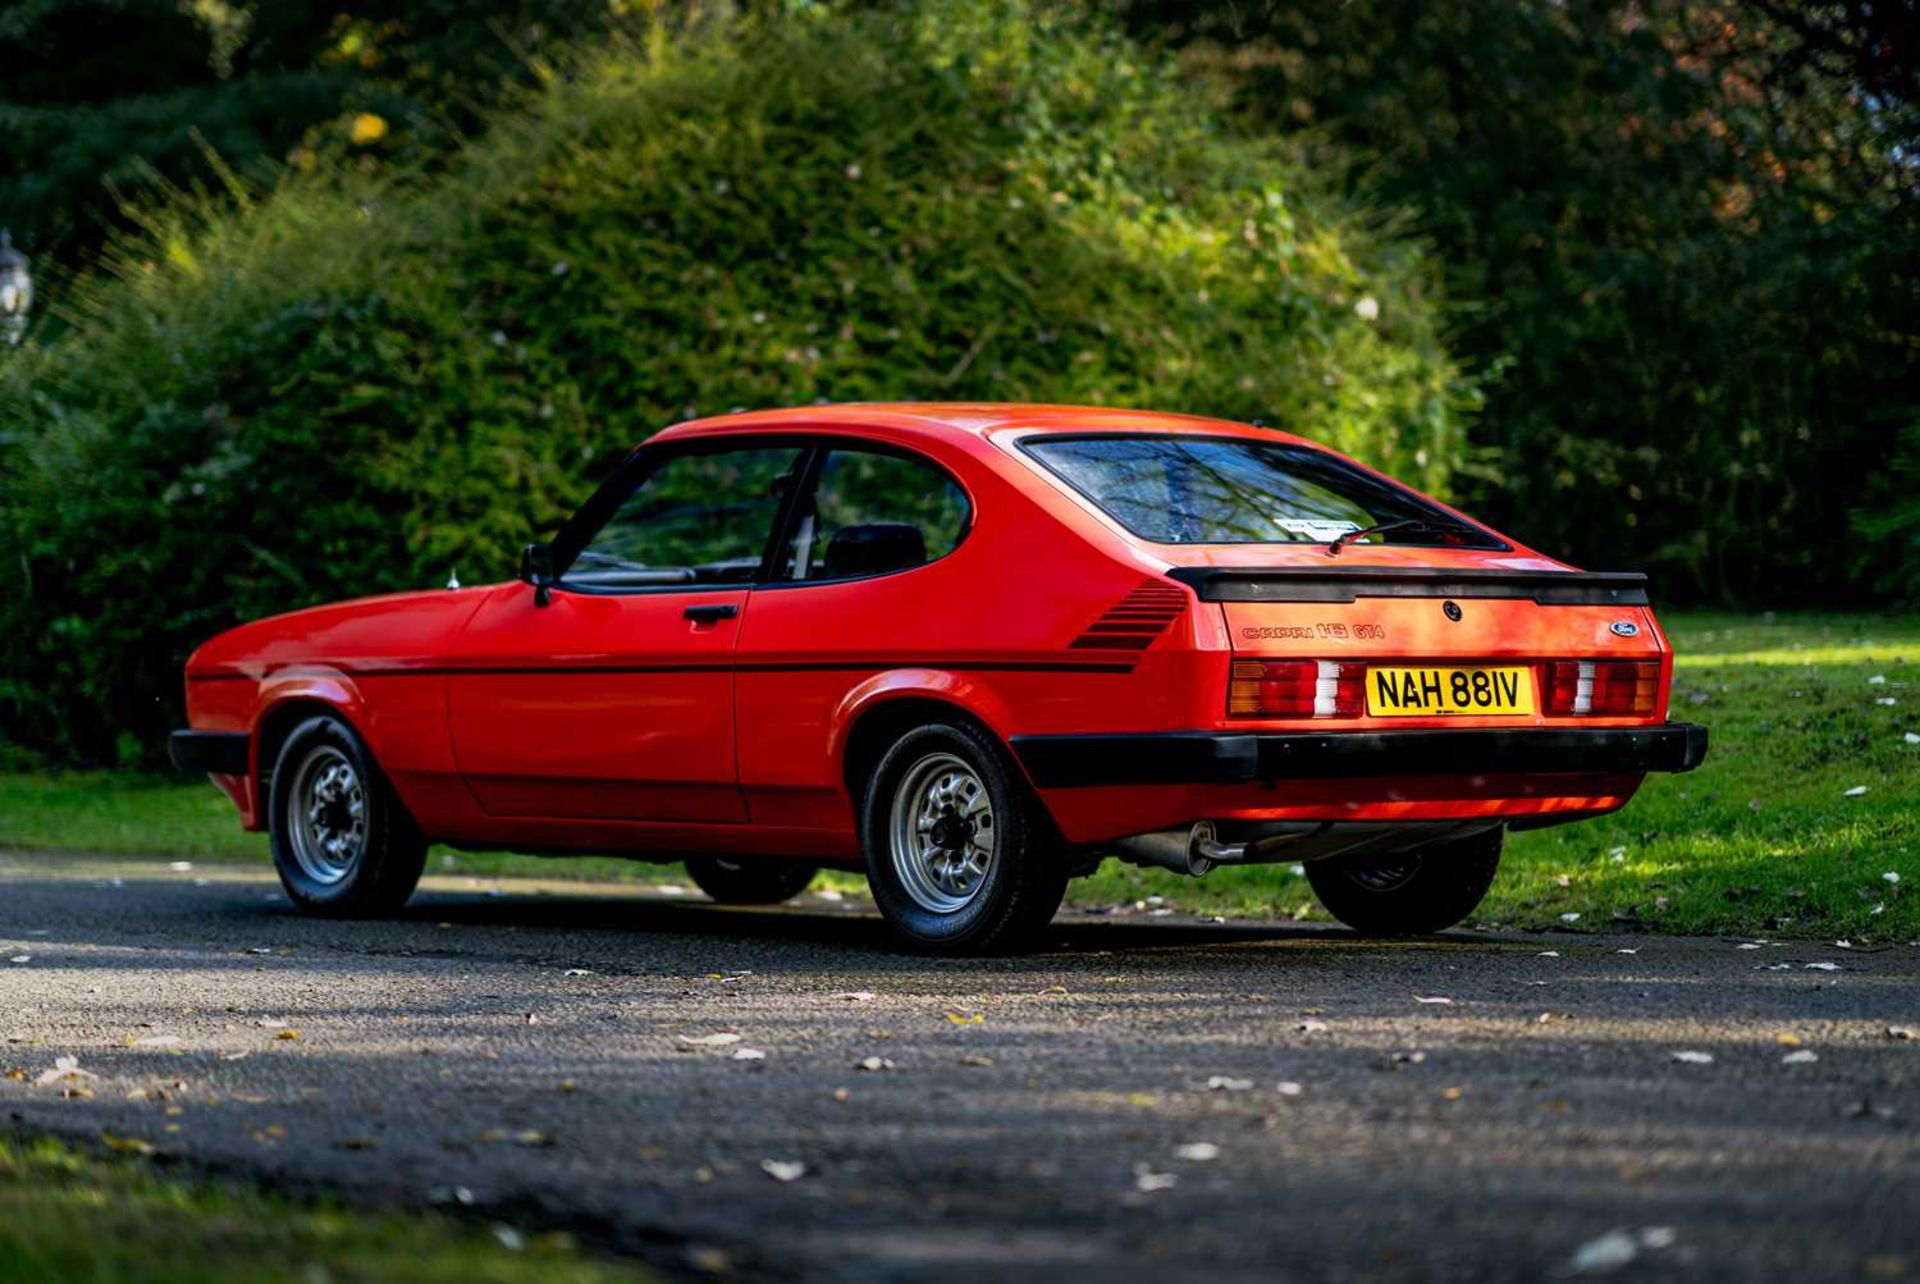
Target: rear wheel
column 749, row 882
column 1408, row 893
column 960, row 855
column 342, row 843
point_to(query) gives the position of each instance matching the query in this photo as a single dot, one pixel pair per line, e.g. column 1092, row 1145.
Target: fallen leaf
column 288, row 1036
column 783, row 1170
column 1147, row 1181
column 65, row 1070
column 126, row 1145
column 1605, row 1254
column 1453, row 1094
column 965, row 1018
column 1787, row 1039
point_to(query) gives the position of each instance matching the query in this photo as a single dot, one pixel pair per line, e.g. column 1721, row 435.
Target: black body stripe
column 844, row 666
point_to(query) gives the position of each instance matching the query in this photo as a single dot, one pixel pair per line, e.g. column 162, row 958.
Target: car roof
column 970, row 418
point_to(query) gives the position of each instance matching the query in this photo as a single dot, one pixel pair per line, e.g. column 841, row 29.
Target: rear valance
column 1345, row 584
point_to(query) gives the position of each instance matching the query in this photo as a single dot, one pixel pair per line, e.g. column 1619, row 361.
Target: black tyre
column 1408, row 893
column 960, row 855
column 733, row 881
column 342, row 843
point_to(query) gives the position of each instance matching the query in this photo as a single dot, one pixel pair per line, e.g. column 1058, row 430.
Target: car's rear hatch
column 1375, row 639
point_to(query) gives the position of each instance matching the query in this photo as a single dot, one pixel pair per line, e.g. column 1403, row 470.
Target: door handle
column 712, row 613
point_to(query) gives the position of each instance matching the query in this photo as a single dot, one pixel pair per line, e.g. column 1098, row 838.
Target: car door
column 611, row 696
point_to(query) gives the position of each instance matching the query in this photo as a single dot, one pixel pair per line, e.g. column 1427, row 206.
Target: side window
column 701, row 518
column 873, row 513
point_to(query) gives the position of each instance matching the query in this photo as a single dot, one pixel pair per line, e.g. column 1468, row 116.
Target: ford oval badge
column 1625, row 629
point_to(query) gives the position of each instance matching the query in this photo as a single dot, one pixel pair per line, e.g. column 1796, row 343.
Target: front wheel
column 960, row 855
column 749, row 882
column 1408, row 893
column 342, row 843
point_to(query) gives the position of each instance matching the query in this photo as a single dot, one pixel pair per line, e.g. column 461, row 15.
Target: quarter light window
column 872, row 513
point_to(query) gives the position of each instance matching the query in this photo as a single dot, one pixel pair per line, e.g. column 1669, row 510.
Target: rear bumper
column 1225, row 757
column 219, row 753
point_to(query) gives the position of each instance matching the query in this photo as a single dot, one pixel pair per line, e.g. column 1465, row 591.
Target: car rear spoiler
column 1344, row 584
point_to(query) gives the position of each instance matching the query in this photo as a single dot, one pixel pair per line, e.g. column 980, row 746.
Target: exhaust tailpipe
column 1190, row 851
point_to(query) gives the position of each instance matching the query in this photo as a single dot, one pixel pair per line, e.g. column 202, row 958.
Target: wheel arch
column 276, row 721
column 879, row 711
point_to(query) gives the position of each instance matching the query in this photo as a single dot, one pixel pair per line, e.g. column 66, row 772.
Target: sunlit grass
column 69, row 1216
column 1761, row 839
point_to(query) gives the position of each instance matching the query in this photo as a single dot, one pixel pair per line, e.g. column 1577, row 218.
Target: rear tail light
column 1297, row 689
column 1617, row 688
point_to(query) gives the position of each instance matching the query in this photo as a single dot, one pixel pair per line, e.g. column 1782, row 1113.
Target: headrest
column 874, row 548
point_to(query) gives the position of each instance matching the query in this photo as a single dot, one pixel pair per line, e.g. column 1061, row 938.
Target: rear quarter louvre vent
column 1132, row 623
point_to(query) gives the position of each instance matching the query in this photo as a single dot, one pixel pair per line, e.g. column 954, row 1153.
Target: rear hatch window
column 1232, row 490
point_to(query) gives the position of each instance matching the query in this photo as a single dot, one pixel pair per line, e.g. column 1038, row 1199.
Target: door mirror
column 536, row 568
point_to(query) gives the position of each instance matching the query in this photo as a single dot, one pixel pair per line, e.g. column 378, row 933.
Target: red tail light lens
column 1297, row 689
column 1611, row 688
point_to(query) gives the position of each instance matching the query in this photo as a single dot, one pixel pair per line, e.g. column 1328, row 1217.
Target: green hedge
column 352, row 384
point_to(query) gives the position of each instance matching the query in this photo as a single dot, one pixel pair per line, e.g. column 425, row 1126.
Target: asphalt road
column 1155, row 1098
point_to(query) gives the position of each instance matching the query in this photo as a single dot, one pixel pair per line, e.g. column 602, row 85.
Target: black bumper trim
column 1227, row 758
column 219, row 753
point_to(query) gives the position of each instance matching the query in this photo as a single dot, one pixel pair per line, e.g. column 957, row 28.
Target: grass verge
column 1766, row 837
column 66, row 1215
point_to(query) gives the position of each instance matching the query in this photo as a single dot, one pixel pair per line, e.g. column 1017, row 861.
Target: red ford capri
column 972, row 650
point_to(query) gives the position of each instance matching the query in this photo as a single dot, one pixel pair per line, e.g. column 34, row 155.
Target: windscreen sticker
column 1320, row 532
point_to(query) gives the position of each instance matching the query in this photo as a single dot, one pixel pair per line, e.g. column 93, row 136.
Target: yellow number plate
column 1423, row 693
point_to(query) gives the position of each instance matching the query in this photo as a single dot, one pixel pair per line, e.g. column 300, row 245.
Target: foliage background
column 348, row 296
column 366, row 377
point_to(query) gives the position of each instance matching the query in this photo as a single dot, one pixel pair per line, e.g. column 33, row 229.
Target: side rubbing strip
column 1131, row 624
column 1329, row 584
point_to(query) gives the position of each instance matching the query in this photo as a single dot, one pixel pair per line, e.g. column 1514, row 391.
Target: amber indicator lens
column 1296, row 689
column 1610, row 688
